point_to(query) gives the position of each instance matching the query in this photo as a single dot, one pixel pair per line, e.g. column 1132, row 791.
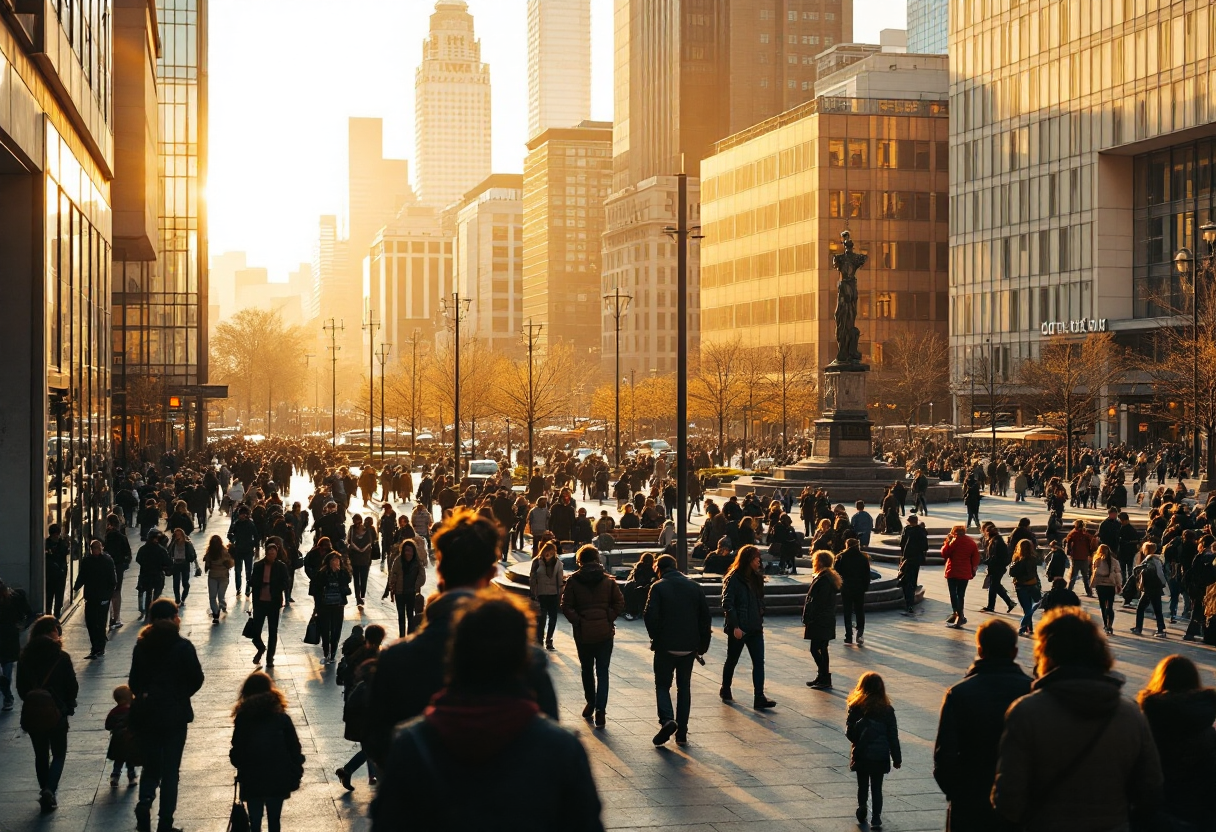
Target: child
column 353, row 642
column 870, row 726
column 121, row 749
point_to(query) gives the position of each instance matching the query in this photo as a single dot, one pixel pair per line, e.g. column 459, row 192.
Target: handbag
column 312, row 633
column 238, row 818
column 251, row 628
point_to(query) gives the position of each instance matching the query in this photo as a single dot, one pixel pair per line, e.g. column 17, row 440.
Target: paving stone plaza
column 784, row 769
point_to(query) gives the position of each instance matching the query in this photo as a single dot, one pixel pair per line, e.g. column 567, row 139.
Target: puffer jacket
column 742, row 606
column 544, row 582
column 875, row 739
column 1107, row 572
column 592, row 601
column 962, row 557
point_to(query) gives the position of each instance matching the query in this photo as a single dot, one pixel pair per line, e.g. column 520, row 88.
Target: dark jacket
column 43, row 664
column 998, row 556
column 591, row 600
column 154, row 564
column 742, row 605
column 244, row 536
column 968, row 736
column 330, row 588
column 561, row 520
column 1186, row 742
column 1020, row 534
column 278, row 581
column 677, row 615
column 96, row 574
column 118, row 547
column 1046, row 729
column 854, row 568
column 265, row 749
column 15, row 612
column 913, row 547
column 819, row 608
column 410, row 672
column 474, row 738
column 875, row 739
column 165, row 673
column 1059, row 596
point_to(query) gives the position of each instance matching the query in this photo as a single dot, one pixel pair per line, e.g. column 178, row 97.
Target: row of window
column 1032, row 198
column 911, row 255
column 792, row 16
column 871, row 305
column 1020, row 310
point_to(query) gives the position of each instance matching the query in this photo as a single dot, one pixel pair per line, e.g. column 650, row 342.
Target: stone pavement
column 786, row 769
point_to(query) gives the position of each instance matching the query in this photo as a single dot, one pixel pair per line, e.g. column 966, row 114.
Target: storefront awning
column 1033, row 433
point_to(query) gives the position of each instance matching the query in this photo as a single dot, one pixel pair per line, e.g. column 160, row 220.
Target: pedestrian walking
column 218, row 563
column 592, row 601
column 678, row 623
column 853, row 567
column 1107, row 582
column 871, row 727
column 118, row 547
column 546, row 582
column 1150, row 575
column 154, row 566
column 361, row 664
column 46, row 683
column 265, row 751
column 1080, row 546
column 971, row 499
column 637, row 586
column 15, row 614
column 269, row 582
column 743, row 614
column 121, row 750
column 969, row 730
column 184, row 559
column 819, row 616
column 962, row 557
column 1024, row 572
column 330, row 589
column 997, row 565
column 360, row 541
column 405, row 580
column 165, row 674
column 95, row 575
column 913, row 549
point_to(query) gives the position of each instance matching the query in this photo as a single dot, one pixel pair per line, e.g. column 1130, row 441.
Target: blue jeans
column 754, row 642
column 594, row 659
column 1027, row 596
column 958, row 592
column 665, row 667
column 162, row 767
column 273, row 807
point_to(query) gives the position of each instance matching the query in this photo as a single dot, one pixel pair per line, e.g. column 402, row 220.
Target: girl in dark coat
column 44, row 666
column 265, row 750
column 330, row 589
column 870, row 726
column 819, row 616
column 743, row 610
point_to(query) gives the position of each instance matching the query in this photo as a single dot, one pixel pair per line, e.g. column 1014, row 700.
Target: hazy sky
column 286, row 75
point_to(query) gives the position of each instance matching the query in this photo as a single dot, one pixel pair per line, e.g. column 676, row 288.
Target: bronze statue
column 847, row 333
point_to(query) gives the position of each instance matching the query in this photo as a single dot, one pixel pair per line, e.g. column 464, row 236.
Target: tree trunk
column 1210, row 453
column 1068, row 448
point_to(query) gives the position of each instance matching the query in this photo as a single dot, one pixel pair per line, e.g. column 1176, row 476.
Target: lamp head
column 1208, row 232
column 1183, row 260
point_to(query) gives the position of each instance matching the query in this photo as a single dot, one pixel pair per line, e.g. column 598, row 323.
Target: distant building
column 451, row 108
column 336, row 292
column 928, row 26
column 254, row 290
column 378, row 187
column 410, row 268
column 559, row 64
column 567, row 177
column 490, row 259
column 889, row 75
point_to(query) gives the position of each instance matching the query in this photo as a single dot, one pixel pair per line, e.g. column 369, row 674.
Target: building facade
column 567, row 178
column 928, row 26
column 411, row 267
column 559, row 64
column 1080, row 158
column 774, row 200
column 378, row 188
column 490, row 260
column 57, row 163
column 451, row 108
column 336, row 293
column 892, row 75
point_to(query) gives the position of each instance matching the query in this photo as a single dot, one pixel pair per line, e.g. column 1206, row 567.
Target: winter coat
column 962, row 557
column 543, row 581
column 853, row 567
column 96, row 574
column 819, row 608
column 561, row 520
column 265, row 749
column 244, row 536
column 117, row 722
column 742, row 605
column 366, row 538
column 1042, row 787
column 998, row 556
column 188, row 555
column 44, row 664
column 968, row 737
column 1080, row 545
column 1155, row 582
column 154, row 564
column 538, row 521
column 1107, row 572
column 278, row 582
column 165, row 673
column 1186, row 742
column 875, row 739
column 330, row 588
column 592, row 601
column 14, row 613
column 218, row 567
column 677, row 615
column 406, row 578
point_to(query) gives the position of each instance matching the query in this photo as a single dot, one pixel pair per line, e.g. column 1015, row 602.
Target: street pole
column 532, row 333
column 508, row 420
column 370, row 326
column 617, row 304
column 333, row 328
column 308, row 357
column 415, row 336
column 992, row 396
column 382, row 357
column 459, row 307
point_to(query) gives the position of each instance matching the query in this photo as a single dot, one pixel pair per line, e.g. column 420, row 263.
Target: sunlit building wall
column 410, row 268
column 928, row 26
column 775, row 198
column 490, row 260
column 451, row 108
column 567, row 177
column 559, row 63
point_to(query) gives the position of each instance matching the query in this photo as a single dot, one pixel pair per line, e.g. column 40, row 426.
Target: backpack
column 1150, row 583
column 40, row 713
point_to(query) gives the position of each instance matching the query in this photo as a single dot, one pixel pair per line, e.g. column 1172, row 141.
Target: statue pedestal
column 844, row 431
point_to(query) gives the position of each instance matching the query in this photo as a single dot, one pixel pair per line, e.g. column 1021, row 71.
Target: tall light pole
column 370, row 325
column 1186, row 263
column 455, row 311
column 308, row 357
column 415, row 339
column 681, row 232
column 333, row 328
column 382, row 357
column 992, row 396
column 508, row 421
column 532, row 335
column 617, row 305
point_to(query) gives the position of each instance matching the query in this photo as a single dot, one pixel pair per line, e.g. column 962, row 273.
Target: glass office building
column 928, row 26
column 1079, row 153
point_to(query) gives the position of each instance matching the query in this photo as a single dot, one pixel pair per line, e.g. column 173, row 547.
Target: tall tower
column 379, row 187
column 559, row 64
column 452, row 108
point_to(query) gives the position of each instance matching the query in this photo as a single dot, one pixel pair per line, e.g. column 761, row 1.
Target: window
column 764, row 37
column 859, row 153
column 793, row 15
column 836, row 153
column 829, row 15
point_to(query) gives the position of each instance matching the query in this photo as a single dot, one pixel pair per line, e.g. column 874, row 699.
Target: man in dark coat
column 165, row 673
column 677, row 620
column 913, row 548
column 118, row 547
column 411, row 672
column 96, row 577
column 970, row 726
column 57, row 550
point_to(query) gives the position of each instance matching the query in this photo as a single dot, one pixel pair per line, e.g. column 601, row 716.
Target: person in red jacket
column 962, row 557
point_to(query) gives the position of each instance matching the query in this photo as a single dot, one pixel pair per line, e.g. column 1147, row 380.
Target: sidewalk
column 786, row 769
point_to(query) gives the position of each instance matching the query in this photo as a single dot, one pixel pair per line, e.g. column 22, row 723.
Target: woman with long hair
column 330, row 589
column 405, row 580
column 1024, row 571
column 871, row 728
column 637, row 587
column 265, row 751
column 1107, row 581
column 218, row 562
column 46, row 683
column 1180, row 711
column 183, row 558
column 359, row 542
column 823, row 539
column 819, row 616
column 743, row 608
column 545, row 582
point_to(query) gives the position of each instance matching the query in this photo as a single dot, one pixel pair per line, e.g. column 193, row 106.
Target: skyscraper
column 378, row 187
column 559, row 64
column 928, row 26
column 490, row 258
column 452, row 108
column 334, row 293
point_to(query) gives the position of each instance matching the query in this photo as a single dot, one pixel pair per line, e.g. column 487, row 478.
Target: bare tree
column 478, row 368
column 1063, row 384
column 916, row 373
column 714, row 384
column 260, row 357
column 792, row 379
column 536, row 391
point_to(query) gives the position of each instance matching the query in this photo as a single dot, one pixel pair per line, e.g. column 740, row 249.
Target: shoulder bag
column 238, row 818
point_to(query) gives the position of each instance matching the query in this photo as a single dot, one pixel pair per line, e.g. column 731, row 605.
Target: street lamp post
column 1186, row 263
column 382, row 357
column 508, row 420
column 617, row 304
column 532, row 333
column 456, row 312
column 992, row 395
column 370, row 326
column 333, row 328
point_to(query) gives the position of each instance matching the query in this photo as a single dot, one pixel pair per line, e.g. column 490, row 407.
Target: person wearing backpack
column 46, row 683
column 1197, row 579
column 871, row 727
column 266, row 750
column 1151, row 575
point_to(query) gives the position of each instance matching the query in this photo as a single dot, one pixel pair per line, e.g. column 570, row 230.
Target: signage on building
column 1077, row 327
